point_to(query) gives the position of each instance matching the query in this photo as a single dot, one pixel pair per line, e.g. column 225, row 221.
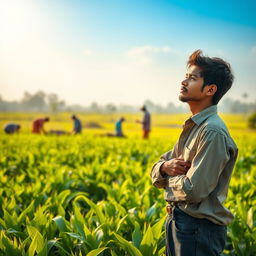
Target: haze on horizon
column 120, row 52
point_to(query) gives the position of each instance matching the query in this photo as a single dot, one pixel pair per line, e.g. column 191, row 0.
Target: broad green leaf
column 63, row 251
column 31, row 231
column 118, row 207
column 137, row 235
column 44, row 251
column 38, row 243
column 50, row 244
column 95, row 208
column 10, row 220
column 150, row 212
column 120, row 222
column 78, row 221
column 108, row 189
column 161, row 252
column 96, row 251
column 61, row 210
column 10, row 248
column 128, row 246
column 76, row 236
column 147, row 243
column 250, row 218
column 157, row 228
column 86, row 230
column 24, row 213
column 2, row 223
column 17, row 233
column 60, row 223
column 62, row 196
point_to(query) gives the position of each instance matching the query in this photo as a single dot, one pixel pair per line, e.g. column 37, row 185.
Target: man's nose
column 184, row 82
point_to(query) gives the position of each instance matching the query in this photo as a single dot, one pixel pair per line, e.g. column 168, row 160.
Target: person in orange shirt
column 38, row 125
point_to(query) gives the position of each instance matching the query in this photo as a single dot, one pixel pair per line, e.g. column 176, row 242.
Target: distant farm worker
column 146, row 122
column 11, row 128
column 38, row 125
column 77, row 125
column 119, row 130
column 196, row 172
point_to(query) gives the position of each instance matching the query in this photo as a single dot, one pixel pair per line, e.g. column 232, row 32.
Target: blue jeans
column 189, row 236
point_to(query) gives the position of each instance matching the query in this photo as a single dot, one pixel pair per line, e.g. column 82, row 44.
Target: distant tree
column 54, row 103
column 170, row 108
column 245, row 96
column 2, row 104
column 35, row 102
column 110, row 108
column 94, row 107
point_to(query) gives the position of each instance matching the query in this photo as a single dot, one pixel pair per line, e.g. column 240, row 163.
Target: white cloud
column 145, row 54
column 87, row 52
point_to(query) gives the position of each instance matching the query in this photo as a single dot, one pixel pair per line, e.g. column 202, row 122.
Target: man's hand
column 174, row 167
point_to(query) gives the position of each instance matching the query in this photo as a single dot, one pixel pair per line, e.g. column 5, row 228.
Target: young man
column 196, row 173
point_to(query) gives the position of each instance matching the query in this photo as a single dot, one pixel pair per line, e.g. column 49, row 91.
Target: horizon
column 120, row 53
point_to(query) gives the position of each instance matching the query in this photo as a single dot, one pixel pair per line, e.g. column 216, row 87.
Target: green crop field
column 92, row 195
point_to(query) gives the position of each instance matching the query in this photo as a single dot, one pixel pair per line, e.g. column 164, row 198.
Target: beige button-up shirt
column 206, row 143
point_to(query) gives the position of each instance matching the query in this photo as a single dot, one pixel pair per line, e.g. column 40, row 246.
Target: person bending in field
column 118, row 129
column 77, row 125
column 196, row 172
column 11, row 128
column 38, row 125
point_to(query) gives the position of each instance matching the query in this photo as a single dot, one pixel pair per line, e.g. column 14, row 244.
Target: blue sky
column 120, row 51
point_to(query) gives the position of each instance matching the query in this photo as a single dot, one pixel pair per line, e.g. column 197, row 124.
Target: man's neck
column 196, row 107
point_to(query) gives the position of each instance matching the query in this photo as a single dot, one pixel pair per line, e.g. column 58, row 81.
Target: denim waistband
column 177, row 212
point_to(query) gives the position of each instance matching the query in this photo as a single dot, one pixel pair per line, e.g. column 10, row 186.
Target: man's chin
column 183, row 99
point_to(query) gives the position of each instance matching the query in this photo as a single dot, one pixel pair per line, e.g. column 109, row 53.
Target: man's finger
column 180, row 168
column 183, row 163
column 178, row 172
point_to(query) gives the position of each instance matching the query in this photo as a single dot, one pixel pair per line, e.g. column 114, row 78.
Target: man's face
column 191, row 89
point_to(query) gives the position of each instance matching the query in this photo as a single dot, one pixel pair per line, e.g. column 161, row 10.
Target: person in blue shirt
column 77, row 125
column 11, row 128
column 119, row 131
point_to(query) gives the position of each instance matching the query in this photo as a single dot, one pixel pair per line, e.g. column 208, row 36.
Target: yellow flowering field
column 92, row 195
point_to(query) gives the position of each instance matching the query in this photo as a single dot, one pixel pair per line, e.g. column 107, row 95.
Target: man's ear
column 211, row 89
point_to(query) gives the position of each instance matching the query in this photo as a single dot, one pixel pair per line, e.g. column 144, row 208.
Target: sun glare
column 19, row 21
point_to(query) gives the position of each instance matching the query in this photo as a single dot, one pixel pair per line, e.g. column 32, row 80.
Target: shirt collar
column 204, row 114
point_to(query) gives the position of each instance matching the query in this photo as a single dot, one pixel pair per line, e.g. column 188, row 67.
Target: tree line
column 43, row 102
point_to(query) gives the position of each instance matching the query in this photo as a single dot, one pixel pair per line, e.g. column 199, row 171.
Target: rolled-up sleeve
column 211, row 157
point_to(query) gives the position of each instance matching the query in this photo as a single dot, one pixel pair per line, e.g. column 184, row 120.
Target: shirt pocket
column 188, row 154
